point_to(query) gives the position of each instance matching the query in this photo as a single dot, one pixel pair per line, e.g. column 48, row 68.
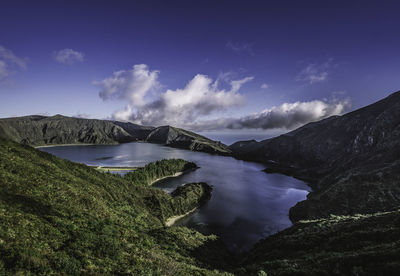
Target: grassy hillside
column 61, row 217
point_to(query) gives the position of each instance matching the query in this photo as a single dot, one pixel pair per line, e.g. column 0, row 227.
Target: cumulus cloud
column 239, row 47
column 131, row 85
column 264, row 86
column 314, row 73
column 199, row 98
column 10, row 63
column 68, row 56
column 286, row 116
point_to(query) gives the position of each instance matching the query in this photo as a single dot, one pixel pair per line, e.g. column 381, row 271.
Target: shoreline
column 168, row 176
column 172, row 220
column 173, row 175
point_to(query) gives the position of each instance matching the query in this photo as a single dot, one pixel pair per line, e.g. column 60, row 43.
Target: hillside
column 66, row 218
column 59, row 217
column 338, row 245
column 180, row 138
column 57, row 130
column 352, row 161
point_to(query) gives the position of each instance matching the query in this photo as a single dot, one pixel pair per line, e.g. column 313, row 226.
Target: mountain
column 180, row 138
column 58, row 129
column 42, row 130
column 352, row 162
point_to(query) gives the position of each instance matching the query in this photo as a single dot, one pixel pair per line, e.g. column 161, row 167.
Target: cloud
column 264, row 86
column 200, row 97
column 239, row 47
column 68, row 56
column 131, row 85
column 314, row 73
column 10, row 63
column 286, row 116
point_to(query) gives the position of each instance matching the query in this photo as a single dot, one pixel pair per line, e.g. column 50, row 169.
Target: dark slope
column 180, row 138
column 341, row 245
column 59, row 217
column 351, row 161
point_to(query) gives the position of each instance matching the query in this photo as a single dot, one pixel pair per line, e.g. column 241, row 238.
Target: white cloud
column 68, row 56
column 10, row 63
column 131, row 85
column 200, row 97
column 264, row 86
column 314, row 73
column 180, row 107
column 286, row 116
column 239, row 47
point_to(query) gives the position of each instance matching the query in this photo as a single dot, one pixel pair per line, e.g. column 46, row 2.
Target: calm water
column 246, row 204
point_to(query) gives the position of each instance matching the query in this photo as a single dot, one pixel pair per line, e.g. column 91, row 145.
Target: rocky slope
column 41, row 130
column 180, row 138
column 352, row 161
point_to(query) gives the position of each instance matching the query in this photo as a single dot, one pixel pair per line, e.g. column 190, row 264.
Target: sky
column 239, row 66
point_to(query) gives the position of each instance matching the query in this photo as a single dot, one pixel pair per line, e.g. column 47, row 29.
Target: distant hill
column 352, row 161
column 56, row 130
column 180, row 138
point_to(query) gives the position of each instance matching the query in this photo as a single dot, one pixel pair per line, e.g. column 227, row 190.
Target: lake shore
column 171, row 221
column 168, row 176
column 173, row 175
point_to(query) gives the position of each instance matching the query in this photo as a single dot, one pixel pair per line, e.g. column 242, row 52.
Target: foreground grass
column 61, row 217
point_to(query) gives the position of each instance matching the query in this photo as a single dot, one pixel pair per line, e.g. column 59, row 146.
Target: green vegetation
column 339, row 245
column 61, row 217
column 159, row 169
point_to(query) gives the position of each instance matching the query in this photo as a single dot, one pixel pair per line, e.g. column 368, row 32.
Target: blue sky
column 202, row 65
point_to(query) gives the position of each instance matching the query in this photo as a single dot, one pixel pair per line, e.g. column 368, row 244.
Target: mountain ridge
column 37, row 130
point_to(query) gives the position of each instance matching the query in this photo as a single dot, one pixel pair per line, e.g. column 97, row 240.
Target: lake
column 246, row 204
